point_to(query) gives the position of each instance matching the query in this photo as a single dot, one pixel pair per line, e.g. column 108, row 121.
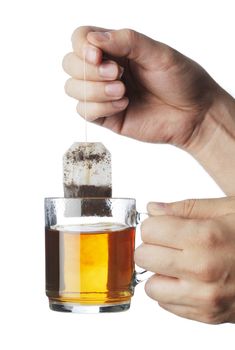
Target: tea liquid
column 90, row 264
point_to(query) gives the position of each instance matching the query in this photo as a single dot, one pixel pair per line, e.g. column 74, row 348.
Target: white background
column 39, row 122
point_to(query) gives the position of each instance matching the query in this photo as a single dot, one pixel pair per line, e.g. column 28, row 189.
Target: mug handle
column 140, row 216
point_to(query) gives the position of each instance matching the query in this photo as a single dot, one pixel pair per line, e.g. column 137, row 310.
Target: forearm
column 215, row 146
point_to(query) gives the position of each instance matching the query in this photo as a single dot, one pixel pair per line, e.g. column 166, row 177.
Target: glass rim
column 90, row 198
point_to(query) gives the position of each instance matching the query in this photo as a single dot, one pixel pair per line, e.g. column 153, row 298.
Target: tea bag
column 87, row 170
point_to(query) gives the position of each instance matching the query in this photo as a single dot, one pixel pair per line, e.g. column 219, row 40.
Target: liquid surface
column 101, row 227
column 90, row 264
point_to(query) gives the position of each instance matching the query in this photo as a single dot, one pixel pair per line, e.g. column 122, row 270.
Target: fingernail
column 114, row 89
column 91, row 54
column 108, row 70
column 120, row 103
column 101, row 36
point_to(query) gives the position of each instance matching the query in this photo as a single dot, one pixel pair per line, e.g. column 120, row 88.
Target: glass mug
column 89, row 246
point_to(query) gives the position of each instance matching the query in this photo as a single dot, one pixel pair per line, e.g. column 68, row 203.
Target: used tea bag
column 87, row 170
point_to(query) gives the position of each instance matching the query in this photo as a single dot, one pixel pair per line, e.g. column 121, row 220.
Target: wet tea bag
column 87, row 170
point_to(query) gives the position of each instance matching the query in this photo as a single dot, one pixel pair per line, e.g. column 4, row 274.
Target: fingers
column 161, row 260
column 188, row 312
column 174, row 295
column 196, row 313
column 92, row 41
column 167, row 290
column 95, row 91
column 94, row 111
column 169, row 231
column 82, row 47
column 195, row 208
column 107, row 70
column 180, row 297
column 130, row 44
column 103, row 90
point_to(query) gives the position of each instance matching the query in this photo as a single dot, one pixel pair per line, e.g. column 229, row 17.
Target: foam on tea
column 87, row 170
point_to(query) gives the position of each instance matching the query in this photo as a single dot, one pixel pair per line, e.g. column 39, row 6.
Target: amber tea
column 90, row 264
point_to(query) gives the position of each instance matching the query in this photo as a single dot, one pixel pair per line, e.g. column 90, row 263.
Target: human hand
column 163, row 96
column 190, row 246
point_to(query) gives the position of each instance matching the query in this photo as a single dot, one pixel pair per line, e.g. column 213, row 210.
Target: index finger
column 83, row 48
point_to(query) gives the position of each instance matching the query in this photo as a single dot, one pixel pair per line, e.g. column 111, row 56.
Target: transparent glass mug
column 89, row 246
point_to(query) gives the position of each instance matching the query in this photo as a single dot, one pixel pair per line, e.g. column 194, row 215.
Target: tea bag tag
column 87, row 170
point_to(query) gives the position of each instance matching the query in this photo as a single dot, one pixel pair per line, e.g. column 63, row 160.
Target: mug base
column 88, row 309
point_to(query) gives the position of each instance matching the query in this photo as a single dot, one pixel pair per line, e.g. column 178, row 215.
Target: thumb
column 130, row 44
column 194, row 208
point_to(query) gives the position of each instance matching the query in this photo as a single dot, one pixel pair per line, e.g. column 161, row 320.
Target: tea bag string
column 85, row 95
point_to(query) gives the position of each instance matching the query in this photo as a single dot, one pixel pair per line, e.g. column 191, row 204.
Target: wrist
column 219, row 119
column 214, row 142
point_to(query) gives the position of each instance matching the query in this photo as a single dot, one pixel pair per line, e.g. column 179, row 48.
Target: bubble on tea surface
column 87, row 170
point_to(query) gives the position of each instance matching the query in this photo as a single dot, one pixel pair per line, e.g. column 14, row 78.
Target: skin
column 144, row 89
column 190, row 246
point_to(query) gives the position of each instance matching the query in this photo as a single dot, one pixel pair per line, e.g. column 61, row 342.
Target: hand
column 163, row 96
column 144, row 89
column 190, row 246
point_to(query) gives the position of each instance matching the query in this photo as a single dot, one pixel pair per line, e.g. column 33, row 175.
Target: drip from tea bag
column 87, row 170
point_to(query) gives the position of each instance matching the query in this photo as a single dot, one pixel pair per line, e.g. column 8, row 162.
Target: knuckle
column 66, row 61
column 169, row 57
column 79, row 108
column 139, row 256
column 212, row 318
column 174, row 57
column 78, row 37
column 216, row 312
column 147, row 226
column 76, row 33
column 189, row 207
column 148, row 288
column 130, row 34
column 214, row 300
column 90, row 117
column 206, row 270
column 67, row 86
column 151, row 288
column 211, row 236
column 144, row 229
